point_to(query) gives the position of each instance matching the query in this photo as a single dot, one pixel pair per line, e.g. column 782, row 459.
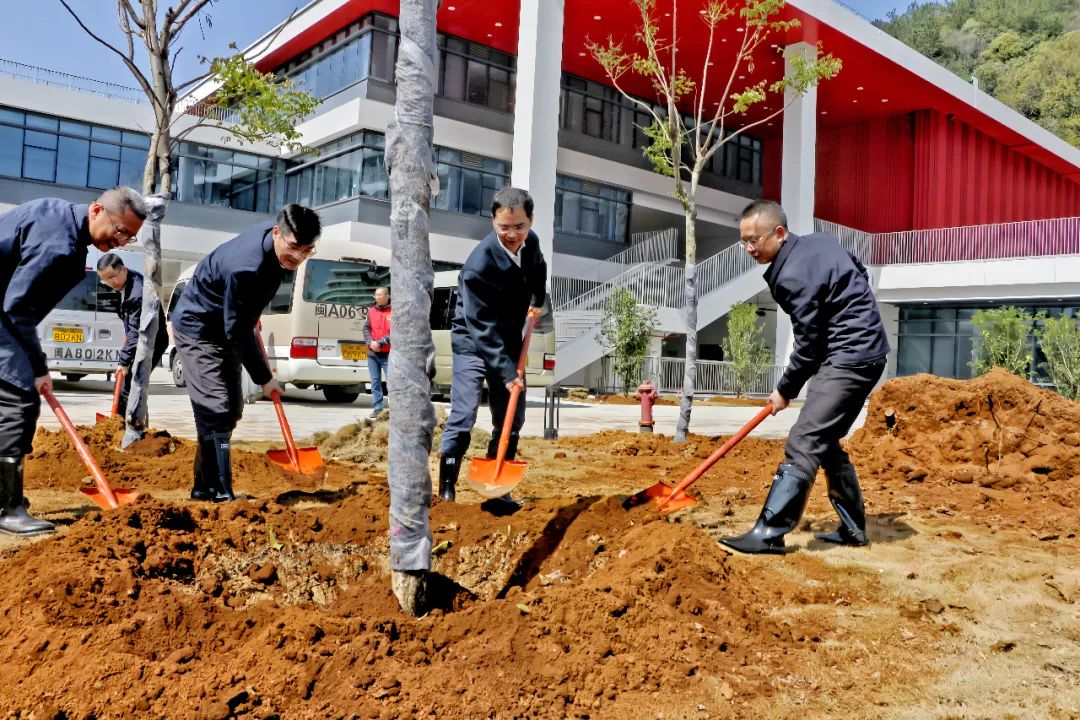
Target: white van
column 83, row 334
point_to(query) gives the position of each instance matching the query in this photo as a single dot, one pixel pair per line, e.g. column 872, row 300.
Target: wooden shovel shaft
column 116, row 394
column 290, row 445
column 80, row 447
column 720, row 452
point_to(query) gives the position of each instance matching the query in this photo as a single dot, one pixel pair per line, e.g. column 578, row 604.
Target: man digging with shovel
column 214, row 332
column 839, row 341
column 503, row 279
column 43, row 246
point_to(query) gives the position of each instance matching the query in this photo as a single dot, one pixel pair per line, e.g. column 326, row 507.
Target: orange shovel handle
column 116, row 394
column 290, row 445
column 515, row 393
column 80, row 447
column 719, row 453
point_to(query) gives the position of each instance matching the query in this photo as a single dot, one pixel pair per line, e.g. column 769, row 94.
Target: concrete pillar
column 536, row 112
column 784, row 338
column 800, row 148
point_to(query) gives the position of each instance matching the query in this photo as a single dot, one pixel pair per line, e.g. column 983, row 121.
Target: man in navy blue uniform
column 214, row 325
column 504, row 278
column 839, row 341
column 43, row 245
column 129, row 283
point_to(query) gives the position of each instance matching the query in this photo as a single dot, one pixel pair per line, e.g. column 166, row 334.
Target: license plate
column 353, row 351
column 67, row 335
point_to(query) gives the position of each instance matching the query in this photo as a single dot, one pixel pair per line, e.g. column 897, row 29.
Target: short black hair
column 110, row 260
column 768, row 210
column 512, row 197
column 301, row 222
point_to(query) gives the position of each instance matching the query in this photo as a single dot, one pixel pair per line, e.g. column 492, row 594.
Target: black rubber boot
column 205, row 466
column 449, row 468
column 846, row 498
column 783, row 507
column 220, row 444
column 14, row 519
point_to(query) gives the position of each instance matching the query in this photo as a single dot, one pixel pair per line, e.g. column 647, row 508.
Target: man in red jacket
column 377, row 335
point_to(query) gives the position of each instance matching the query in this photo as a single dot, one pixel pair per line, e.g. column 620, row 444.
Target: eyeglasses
column 507, row 229
column 757, row 241
column 119, row 232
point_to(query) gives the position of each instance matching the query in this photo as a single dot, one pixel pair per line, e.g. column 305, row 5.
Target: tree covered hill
column 1025, row 53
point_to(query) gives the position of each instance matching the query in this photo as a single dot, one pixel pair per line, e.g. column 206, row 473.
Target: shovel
column 99, row 417
column 306, row 460
column 103, row 495
column 670, row 499
column 496, row 477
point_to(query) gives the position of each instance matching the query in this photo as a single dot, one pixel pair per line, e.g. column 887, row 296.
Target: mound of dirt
column 1002, row 446
column 567, row 608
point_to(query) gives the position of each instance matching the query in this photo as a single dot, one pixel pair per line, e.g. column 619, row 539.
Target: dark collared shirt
column 229, row 291
column 43, row 247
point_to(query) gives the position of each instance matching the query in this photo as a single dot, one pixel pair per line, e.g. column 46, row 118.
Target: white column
column 800, row 148
column 784, row 338
column 536, row 112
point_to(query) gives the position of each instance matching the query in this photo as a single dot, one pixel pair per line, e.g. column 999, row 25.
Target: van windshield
column 343, row 282
column 90, row 296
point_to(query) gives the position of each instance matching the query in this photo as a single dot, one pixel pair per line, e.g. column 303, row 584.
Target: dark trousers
column 466, row 387
column 833, row 401
column 212, row 372
column 19, row 412
column 160, row 343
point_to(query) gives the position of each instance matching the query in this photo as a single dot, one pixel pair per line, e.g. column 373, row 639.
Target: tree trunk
column 682, row 427
column 409, row 163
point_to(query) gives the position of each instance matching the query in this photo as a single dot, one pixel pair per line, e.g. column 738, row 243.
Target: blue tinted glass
column 11, row 151
column 12, row 116
column 41, row 122
column 40, row 139
column 39, row 164
column 132, row 165
column 74, row 128
column 136, row 139
column 104, row 173
column 104, row 150
column 73, row 161
column 101, row 133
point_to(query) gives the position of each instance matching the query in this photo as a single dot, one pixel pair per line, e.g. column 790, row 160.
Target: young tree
column 261, row 106
column 409, row 162
column 744, row 348
column 1059, row 339
column 1003, row 339
column 625, row 331
column 690, row 126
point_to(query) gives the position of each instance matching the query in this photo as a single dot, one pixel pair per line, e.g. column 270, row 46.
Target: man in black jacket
column 504, row 278
column 839, row 341
column 43, row 246
column 214, row 332
column 129, row 283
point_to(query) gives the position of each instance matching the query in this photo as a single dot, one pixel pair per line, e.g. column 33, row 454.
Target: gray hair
column 121, row 198
column 110, row 260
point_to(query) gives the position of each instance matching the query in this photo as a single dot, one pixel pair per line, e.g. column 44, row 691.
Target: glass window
column 104, row 173
column 39, row 164
column 132, row 166
column 67, row 127
column 342, row 282
column 11, row 141
column 83, row 296
column 102, row 133
column 41, row 122
column 281, row 303
column 12, row 116
column 73, row 161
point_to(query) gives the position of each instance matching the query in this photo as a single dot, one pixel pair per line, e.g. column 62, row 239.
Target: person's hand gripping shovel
column 496, row 477
column 117, row 389
column 305, row 460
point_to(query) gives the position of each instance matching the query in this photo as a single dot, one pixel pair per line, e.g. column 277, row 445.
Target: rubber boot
column 783, row 507
column 511, row 453
column 14, row 519
column 205, row 466
column 220, row 444
column 846, row 498
column 449, row 468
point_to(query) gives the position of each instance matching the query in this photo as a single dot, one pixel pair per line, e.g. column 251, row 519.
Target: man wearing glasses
column 503, row 279
column 839, row 341
column 43, row 246
column 214, row 326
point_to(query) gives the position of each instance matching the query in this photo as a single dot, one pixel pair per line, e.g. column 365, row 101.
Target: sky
column 42, row 34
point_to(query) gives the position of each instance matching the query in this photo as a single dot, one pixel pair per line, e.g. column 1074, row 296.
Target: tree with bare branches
column 686, row 128
column 247, row 105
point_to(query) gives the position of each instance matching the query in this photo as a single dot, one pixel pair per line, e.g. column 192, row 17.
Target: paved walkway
column 308, row 413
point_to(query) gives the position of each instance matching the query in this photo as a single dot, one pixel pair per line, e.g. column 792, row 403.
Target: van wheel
column 338, row 394
column 177, row 371
column 73, row 377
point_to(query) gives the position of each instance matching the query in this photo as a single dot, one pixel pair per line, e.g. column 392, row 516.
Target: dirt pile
column 568, row 608
column 995, row 444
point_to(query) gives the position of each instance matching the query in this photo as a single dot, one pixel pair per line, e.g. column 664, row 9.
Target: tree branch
column 139, row 77
column 128, row 8
column 175, row 22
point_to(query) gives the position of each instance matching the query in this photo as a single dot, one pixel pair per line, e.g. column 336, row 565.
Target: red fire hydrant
column 646, row 393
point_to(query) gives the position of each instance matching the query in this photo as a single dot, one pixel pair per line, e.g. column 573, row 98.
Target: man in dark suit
column 43, row 245
column 840, row 341
column 129, row 283
column 503, row 279
column 214, row 331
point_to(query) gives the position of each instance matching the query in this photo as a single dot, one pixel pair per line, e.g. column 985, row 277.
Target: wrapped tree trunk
column 412, row 416
column 137, row 416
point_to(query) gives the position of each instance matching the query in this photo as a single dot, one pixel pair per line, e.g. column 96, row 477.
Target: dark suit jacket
column 834, row 315
column 494, row 295
column 130, row 312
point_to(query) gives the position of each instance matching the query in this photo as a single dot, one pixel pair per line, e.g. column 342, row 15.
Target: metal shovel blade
column 658, row 494
column 124, row 496
column 309, row 461
column 486, row 478
column 100, row 418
